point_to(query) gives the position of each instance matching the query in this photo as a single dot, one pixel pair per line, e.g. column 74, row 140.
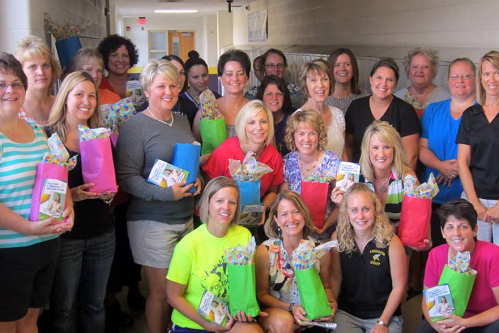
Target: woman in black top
column 382, row 105
column 87, row 251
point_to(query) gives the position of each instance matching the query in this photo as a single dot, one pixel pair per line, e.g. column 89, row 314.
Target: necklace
column 169, row 123
column 308, row 170
column 383, row 187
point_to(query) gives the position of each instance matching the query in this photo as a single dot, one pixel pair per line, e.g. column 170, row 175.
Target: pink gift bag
column 49, row 192
column 97, row 165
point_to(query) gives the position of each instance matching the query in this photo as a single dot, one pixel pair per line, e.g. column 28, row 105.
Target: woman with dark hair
column 87, row 251
column 196, row 71
column 345, row 79
column 119, row 54
column 234, row 67
column 28, row 249
column 458, row 224
column 275, row 95
column 274, row 62
column 382, row 105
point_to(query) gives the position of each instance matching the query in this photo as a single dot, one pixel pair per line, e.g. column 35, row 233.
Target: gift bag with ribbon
column 460, row 277
column 186, row 157
column 51, row 182
column 211, row 124
column 248, row 174
column 313, row 297
column 242, row 282
column 97, row 162
column 415, row 215
column 314, row 192
column 114, row 115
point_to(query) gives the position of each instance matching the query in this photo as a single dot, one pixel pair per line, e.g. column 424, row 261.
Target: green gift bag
column 242, row 289
column 460, row 286
column 313, row 298
column 213, row 133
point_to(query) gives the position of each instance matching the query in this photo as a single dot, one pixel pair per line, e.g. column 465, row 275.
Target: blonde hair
column 431, row 54
column 382, row 230
column 248, row 111
column 30, row 47
column 272, row 229
column 493, row 58
column 389, row 135
column 213, row 186
column 58, row 113
column 317, row 66
column 82, row 57
column 305, row 116
column 158, row 67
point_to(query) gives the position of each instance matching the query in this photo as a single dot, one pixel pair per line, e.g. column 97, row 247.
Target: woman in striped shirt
column 28, row 249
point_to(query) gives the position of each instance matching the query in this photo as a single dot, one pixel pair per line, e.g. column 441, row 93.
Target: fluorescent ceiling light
column 175, row 11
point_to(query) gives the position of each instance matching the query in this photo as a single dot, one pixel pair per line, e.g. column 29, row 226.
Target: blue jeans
column 81, row 277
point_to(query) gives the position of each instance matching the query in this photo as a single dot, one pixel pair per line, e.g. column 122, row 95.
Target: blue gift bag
column 186, row 157
column 249, row 192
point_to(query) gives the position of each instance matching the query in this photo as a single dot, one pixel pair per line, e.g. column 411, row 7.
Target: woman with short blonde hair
column 42, row 71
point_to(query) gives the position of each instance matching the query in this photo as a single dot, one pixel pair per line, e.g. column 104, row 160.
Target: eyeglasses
column 15, row 85
column 269, row 94
column 272, row 66
column 463, row 76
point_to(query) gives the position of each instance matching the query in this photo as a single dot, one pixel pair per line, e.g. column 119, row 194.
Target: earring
column 279, row 232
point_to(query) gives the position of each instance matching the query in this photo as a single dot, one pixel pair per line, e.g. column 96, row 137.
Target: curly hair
column 272, row 229
column 382, row 230
column 111, row 43
column 431, row 54
column 310, row 117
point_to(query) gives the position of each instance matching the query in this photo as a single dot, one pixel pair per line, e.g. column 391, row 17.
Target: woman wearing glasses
column 437, row 146
column 275, row 63
column 478, row 145
column 275, row 95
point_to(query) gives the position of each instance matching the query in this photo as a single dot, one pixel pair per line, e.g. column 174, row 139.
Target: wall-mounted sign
column 128, row 28
column 257, row 26
column 142, row 20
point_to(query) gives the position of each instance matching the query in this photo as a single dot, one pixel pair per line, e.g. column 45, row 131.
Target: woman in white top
column 315, row 81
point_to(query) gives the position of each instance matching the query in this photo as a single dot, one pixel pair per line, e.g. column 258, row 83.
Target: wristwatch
column 380, row 322
column 290, row 309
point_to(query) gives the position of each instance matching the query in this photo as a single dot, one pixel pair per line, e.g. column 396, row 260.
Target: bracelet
column 290, row 309
column 108, row 201
column 380, row 322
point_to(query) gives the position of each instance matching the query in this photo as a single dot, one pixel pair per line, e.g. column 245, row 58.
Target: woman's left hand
column 492, row 214
column 452, row 321
column 377, row 328
column 337, row 195
column 68, row 217
column 243, row 317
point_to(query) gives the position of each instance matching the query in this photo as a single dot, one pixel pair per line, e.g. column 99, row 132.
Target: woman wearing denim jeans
column 87, row 251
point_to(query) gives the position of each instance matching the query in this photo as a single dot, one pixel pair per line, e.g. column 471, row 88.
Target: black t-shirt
column 400, row 115
column 366, row 282
column 483, row 139
column 92, row 217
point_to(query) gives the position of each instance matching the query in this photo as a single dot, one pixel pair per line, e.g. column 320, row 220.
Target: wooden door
column 180, row 43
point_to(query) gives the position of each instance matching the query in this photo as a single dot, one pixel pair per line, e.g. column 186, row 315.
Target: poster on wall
column 257, row 26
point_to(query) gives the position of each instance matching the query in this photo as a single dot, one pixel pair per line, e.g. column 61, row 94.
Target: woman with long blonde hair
column 369, row 267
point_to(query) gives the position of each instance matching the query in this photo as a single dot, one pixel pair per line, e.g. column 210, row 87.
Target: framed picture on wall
column 257, row 26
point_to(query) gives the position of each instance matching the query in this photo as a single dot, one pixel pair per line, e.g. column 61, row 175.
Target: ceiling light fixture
column 175, row 11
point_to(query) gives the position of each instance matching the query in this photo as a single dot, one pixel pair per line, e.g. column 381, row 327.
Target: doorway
column 180, row 43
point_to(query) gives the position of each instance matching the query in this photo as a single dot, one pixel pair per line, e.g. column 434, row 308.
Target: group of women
column 365, row 277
